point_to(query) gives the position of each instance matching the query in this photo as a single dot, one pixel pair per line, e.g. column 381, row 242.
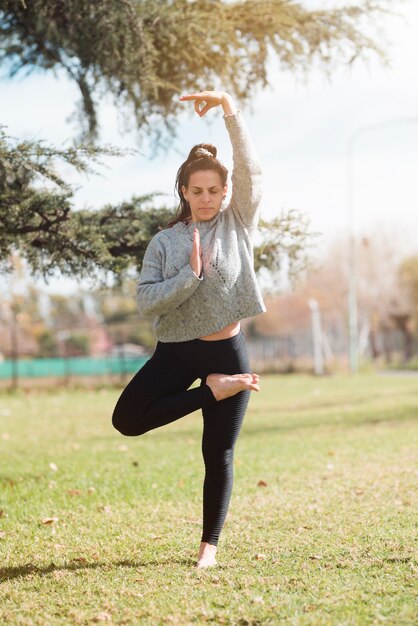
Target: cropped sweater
column 186, row 306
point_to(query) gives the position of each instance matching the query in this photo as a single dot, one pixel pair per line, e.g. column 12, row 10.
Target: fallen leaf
column 102, row 617
column 73, row 492
column 359, row 492
column 261, row 483
column 3, row 513
column 91, row 490
column 258, row 600
column 135, row 463
column 104, row 508
column 316, row 557
column 260, row 557
column 123, row 448
column 5, row 436
column 50, row 520
column 53, row 467
column 79, row 559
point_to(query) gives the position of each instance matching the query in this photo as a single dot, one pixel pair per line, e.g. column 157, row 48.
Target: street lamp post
column 352, row 257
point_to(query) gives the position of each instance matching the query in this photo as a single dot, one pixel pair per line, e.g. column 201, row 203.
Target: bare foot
column 224, row 385
column 207, row 554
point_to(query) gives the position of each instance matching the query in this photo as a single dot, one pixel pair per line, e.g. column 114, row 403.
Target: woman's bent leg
column 158, row 394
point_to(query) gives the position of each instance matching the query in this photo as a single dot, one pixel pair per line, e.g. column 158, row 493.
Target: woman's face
column 204, row 194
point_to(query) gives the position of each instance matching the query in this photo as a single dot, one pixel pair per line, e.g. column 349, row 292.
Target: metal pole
column 316, row 336
column 352, row 265
column 14, row 348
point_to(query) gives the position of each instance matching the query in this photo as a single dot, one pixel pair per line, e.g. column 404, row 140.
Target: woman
column 198, row 282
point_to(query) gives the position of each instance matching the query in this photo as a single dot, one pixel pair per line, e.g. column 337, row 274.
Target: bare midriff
column 225, row 333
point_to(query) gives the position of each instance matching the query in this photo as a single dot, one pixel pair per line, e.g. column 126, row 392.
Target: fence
column 292, row 352
column 66, row 369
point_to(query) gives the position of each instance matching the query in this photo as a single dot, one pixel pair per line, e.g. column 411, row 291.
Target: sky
column 301, row 130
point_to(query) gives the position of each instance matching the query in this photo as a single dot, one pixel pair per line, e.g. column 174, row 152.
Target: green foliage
column 47, row 344
column 120, row 234
column 41, row 223
column 147, row 52
column 77, row 344
column 35, row 206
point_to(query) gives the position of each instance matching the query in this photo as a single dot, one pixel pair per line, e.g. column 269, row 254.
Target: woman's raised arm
column 246, row 175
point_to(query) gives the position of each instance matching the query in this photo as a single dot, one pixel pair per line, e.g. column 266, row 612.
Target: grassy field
column 98, row 528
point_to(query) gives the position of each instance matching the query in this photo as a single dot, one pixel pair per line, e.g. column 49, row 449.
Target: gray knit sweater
column 185, row 306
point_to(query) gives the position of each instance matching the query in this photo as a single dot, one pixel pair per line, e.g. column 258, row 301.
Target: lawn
column 98, row 528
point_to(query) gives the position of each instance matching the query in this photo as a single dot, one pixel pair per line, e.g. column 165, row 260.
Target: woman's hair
column 201, row 157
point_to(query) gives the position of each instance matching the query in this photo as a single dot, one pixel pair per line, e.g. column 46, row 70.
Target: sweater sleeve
column 156, row 295
column 246, row 174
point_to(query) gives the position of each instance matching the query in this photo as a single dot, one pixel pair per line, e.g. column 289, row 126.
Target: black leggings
column 159, row 394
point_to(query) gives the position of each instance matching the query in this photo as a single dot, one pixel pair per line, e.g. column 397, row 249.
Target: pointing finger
column 191, row 96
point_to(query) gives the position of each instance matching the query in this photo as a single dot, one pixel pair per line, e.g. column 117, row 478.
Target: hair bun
column 202, row 150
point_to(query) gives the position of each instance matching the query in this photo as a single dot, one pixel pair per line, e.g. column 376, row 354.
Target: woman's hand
column 196, row 255
column 205, row 100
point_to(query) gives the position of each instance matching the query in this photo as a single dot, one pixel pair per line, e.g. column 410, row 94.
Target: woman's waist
column 225, row 333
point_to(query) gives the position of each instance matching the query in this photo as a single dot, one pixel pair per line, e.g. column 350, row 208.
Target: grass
column 327, row 537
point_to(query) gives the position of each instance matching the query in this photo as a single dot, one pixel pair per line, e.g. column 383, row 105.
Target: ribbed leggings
column 159, row 394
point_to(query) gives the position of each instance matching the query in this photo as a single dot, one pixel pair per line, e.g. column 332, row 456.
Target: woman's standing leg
column 222, row 424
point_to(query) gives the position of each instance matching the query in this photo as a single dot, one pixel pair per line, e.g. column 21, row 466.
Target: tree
column 35, row 206
column 38, row 219
column 146, row 52
column 406, row 317
column 408, row 276
column 40, row 222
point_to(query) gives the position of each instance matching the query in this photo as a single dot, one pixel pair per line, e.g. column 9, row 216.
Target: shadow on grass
column 286, row 422
column 28, row 569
